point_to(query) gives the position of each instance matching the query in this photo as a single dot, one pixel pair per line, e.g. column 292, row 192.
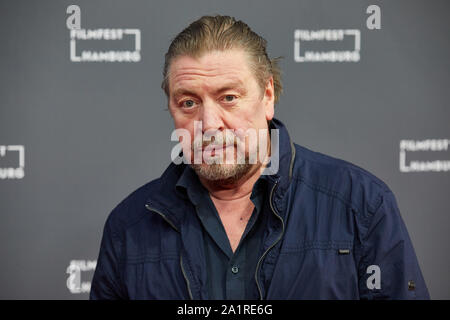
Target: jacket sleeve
column 106, row 283
column 388, row 267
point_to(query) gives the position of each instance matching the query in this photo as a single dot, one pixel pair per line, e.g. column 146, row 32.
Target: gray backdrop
column 92, row 132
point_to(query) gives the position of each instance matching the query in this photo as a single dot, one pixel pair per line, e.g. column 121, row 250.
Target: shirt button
column 235, row 269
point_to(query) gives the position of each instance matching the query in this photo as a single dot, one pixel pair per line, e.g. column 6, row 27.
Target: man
column 292, row 224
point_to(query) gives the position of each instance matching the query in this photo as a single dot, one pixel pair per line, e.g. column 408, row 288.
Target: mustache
column 217, row 141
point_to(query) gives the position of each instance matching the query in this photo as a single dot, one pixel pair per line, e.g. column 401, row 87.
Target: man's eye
column 230, row 98
column 188, row 103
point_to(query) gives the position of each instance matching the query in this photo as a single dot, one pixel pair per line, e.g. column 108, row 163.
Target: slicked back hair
column 211, row 33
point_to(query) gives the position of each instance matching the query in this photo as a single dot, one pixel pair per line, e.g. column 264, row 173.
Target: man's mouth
column 214, row 149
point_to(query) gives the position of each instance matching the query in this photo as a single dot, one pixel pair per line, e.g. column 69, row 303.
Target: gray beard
column 226, row 173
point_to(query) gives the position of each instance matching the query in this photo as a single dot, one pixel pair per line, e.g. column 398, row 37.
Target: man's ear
column 269, row 99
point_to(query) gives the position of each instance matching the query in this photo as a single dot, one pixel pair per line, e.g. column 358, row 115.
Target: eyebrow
column 228, row 86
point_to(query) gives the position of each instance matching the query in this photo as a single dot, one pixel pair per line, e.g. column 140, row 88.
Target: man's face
column 219, row 90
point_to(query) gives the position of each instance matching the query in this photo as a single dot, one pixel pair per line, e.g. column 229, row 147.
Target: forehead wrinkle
column 231, row 70
column 190, row 72
column 212, row 61
column 191, row 80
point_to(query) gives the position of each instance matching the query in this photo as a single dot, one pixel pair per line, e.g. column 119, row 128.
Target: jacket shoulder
column 132, row 208
column 339, row 178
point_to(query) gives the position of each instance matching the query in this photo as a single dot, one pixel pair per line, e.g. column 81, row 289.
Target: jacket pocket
column 315, row 270
column 154, row 276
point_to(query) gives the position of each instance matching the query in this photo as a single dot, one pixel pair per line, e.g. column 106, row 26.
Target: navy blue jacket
column 335, row 232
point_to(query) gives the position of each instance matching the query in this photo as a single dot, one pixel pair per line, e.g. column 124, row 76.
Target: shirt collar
column 189, row 184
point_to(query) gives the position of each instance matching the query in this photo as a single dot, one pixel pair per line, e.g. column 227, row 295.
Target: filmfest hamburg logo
column 326, row 38
column 329, row 39
column 77, row 34
column 432, row 147
column 75, row 268
column 14, row 154
column 108, row 35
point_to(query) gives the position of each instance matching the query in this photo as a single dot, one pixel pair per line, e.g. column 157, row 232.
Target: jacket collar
column 166, row 199
column 286, row 155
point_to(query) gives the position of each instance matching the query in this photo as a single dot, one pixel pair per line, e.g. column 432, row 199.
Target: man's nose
column 211, row 117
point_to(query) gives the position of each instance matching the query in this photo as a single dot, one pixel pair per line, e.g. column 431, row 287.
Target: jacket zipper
column 258, row 265
column 181, row 258
column 185, row 278
column 163, row 216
